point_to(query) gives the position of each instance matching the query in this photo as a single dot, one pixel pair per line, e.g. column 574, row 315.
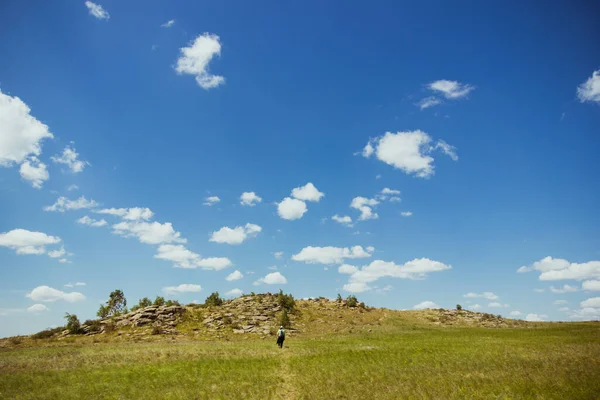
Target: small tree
column 170, row 303
column 159, row 301
column 284, row 320
column 213, row 300
column 103, row 311
column 73, row 324
column 145, row 302
column 286, row 301
column 351, row 301
column 115, row 305
column 339, row 298
column 458, row 307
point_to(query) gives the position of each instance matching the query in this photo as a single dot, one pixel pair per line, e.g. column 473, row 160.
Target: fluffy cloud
column 450, row 89
column 37, row 308
column 274, row 278
column 234, row 276
column 564, row 289
column 85, row 220
column 484, row 295
column 234, row 293
column 184, row 258
column 515, row 313
column 250, row 199
column 48, row 295
column 63, row 204
column 425, row 304
column 21, row 134
column 168, row 24
column 554, row 269
column 72, row 187
column 149, row 232
column 408, row 151
column 212, row 200
column 278, row 255
column 194, row 60
column 96, row 10
column 57, row 253
column 345, row 220
column 330, row 254
column 497, row 305
column 183, row 288
column 291, row 209
column 586, row 313
column 356, row 287
column 34, row 171
column 406, row 213
column 415, row 269
column 307, row 192
column 365, row 206
column 593, row 285
column 535, row 317
column 347, row 269
column 27, row 242
column 130, row 214
column 428, row 102
column 235, row 235
column 69, row 158
column 593, row 302
column 590, row 89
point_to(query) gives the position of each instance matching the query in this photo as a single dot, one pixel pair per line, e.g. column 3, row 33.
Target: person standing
column 280, row 336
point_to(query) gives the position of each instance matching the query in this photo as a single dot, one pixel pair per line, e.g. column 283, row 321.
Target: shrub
column 286, row 301
column 159, row 301
column 15, row 340
column 93, row 324
column 361, row 304
column 48, row 333
column 213, row 300
column 170, row 303
column 73, row 325
column 458, row 307
column 339, row 298
column 351, row 301
column 284, row 320
column 145, row 302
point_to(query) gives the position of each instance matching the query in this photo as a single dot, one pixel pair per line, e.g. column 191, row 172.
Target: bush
column 170, row 303
column 73, row 325
column 458, row 307
column 143, row 303
column 339, row 298
column 213, row 300
column 351, row 301
column 103, row 311
column 48, row 333
column 361, row 304
column 159, row 301
column 15, row 340
column 286, row 301
column 93, row 324
column 284, row 320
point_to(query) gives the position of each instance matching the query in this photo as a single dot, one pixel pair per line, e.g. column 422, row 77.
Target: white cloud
column 515, row 313
column 535, row 317
column 278, row 255
column 330, row 254
column 64, row 260
column 96, row 10
column 425, row 304
column 593, row 285
column 291, row 209
column 79, row 283
column 69, row 158
column 130, row 214
column 496, row 304
column 586, row 313
column 168, row 24
column 564, row 289
column 234, row 276
column 235, row 235
column 34, row 171
column 356, row 287
column 395, row 199
column 451, row 89
column 194, row 60
column 72, row 187
column 560, row 302
column 62, row 204
column 365, row 206
column 183, row 288
column 408, row 151
column 406, row 213
column 428, row 102
column 57, row 253
column 148, row 232
column 48, row 294
column 184, row 258
column 21, row 134
column 27, row 242
column 593, row 302
column 212, row 200
column 554, row 269
column 389, row 191
column 85, row 220
column 307, row 192
column 345, row 220
column 590, row 89
column 274, row 278
column 37, row 308
column 347, row 269
column 484, row 295
column 234, row 293
column 69, row 285
column 250, row 199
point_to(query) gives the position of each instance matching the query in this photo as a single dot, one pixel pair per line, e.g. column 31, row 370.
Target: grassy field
column 396, row 360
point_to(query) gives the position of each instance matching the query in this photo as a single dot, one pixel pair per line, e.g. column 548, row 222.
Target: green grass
column 396, row 360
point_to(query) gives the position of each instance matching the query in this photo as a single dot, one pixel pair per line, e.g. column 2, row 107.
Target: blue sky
column 481, row 120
